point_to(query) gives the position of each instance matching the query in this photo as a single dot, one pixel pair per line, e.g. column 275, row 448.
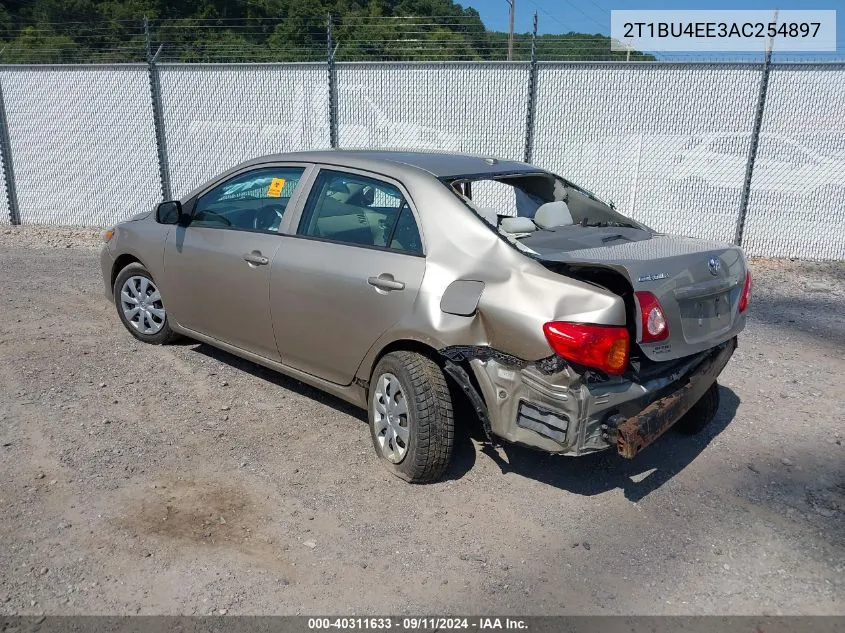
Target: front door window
column 254, row 201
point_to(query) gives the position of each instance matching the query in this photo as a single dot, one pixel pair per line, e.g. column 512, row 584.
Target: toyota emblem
column 714, row 266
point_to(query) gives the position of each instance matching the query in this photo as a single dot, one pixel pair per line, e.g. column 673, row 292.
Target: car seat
column 552, row 215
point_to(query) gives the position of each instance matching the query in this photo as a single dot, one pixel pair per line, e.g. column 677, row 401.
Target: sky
column 593, row 16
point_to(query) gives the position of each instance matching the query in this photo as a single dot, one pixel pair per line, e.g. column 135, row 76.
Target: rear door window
column 354, row 209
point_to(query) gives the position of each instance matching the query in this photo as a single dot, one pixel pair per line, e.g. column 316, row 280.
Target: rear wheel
column 702, row 412
column 411, row 419
column 140, row 306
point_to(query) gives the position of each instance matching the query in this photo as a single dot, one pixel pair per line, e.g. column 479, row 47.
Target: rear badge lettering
column 665, row 348
column 654, row 277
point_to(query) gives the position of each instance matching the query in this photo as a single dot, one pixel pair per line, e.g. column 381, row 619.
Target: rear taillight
column 599, row 346
column 653, row 319
column 745, row 297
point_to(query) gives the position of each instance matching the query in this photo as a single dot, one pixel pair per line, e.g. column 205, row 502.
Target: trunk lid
column 698, row 283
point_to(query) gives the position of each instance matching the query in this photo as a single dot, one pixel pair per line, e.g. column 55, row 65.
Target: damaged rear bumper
column 638, row 431
column 560, row 412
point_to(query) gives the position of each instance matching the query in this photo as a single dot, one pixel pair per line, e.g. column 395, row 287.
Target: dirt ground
column 182, row 480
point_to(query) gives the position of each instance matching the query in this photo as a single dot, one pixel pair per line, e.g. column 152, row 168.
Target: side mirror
column 169, row 212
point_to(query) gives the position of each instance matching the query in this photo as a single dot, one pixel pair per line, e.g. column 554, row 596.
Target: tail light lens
column 745, row 297
column 652, row 317
column 599, row 346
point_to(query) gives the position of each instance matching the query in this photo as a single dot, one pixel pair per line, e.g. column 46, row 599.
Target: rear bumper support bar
column 635, row 433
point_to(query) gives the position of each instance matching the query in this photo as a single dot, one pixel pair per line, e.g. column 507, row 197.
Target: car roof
column 439, row 164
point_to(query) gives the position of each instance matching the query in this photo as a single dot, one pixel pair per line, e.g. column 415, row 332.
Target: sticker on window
column 275, row 188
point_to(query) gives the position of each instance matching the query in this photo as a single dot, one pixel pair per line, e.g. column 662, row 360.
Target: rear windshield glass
column 498, row 197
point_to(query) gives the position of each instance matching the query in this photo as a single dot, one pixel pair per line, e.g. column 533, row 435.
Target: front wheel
column 140, row 306
column 411, row 419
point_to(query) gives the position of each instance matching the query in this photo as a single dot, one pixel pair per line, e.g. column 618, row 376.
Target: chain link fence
column 82, row 143
column 633, row 136
column 797, row 197
column 216, row 116
column 405, row 106
column 669, row 142
column 453, row 106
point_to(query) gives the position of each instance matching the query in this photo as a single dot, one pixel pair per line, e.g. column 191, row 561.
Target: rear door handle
column 385, row 281
column 256, row 259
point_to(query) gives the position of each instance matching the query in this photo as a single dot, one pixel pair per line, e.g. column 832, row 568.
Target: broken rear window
column 520, row 204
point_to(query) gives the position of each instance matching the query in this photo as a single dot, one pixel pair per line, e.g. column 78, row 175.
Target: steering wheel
column 268, row 217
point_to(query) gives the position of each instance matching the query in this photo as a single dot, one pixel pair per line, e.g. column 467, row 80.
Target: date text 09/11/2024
column 416, row 623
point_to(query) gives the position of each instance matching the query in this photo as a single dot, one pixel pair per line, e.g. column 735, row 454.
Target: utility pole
column 510, row 28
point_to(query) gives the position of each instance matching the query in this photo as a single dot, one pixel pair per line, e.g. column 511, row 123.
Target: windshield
column 545, row 201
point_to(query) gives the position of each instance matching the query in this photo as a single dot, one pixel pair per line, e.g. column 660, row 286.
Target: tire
column 150, row 324
column 701, row 414
column 426, row 416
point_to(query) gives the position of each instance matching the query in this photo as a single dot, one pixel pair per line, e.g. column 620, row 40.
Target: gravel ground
column 180, row 479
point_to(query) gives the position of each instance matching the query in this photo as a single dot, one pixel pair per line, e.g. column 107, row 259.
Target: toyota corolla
column 399, row 281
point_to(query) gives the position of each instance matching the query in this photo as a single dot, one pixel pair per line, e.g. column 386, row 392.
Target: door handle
column 385, row 281
column 256, row 259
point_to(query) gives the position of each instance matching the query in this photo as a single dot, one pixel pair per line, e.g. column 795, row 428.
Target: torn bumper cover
column 638, row 431
column 555, row 409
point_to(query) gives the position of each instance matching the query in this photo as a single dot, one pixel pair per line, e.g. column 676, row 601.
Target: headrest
column 489, row 215
column 518, row 225
column 339, row 190
column 553, row 214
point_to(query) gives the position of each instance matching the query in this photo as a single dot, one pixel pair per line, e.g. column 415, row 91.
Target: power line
column 598, row 6
column 542, row 10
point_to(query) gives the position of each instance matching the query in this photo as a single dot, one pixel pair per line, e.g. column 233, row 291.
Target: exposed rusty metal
column 640, row 430
column 637, row 432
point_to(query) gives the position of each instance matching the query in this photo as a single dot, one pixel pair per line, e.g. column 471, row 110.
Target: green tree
column 270, row 30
